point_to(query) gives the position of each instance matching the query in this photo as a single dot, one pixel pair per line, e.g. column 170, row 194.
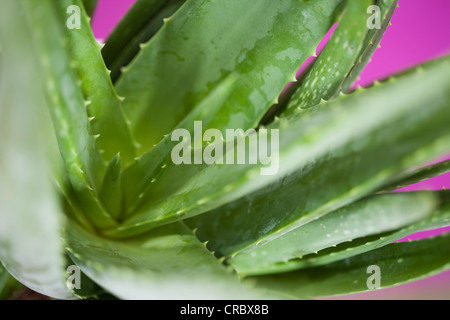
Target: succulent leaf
column 305, row 212
column 30, row 247
column 191, row 53
column 372, row 41
column 81, row 156
column 140, row 24
column 440, row 219
column 143, row 179
column 398, row 263
column 341, row 173
column 170, row 263
column 420, row 175
column 105, row 108
column 329, row 71
column 370, row 216
column 7, row 284
column 321, row 145
column 90, row 6
column 111, row 193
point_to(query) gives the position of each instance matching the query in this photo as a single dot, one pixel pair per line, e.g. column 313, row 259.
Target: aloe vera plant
column 87, row 181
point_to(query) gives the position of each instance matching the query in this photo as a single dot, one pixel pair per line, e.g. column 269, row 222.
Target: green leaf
column 347, row 137
column 111, row 193
column 374, row 215
column 420, row 175
column 76, row 141
column 74, row 135
column 30, row 215
column 90, row 6
column 398, row 263
column 177, row 69
column 4, row 279
column 340, row 63
column 88, row 289
column 7, row 284
column 139, row 25
column 104, row 110
column 170, row 263
column 372, row 41
column 142, row 179
column 71, row 203
column 440, row 219
column 349, row 168
column 329, row 71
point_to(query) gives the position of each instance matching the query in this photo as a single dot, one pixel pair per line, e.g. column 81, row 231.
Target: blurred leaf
column 82, row 159
column 30, row 244
column 7, row 284
column 90, row 6
column 170, row 263
column 420, row 175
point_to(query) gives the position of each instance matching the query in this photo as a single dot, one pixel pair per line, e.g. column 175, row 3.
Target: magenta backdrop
column 419, row 32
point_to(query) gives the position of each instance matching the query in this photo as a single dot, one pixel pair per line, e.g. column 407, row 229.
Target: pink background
column 419, row 32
